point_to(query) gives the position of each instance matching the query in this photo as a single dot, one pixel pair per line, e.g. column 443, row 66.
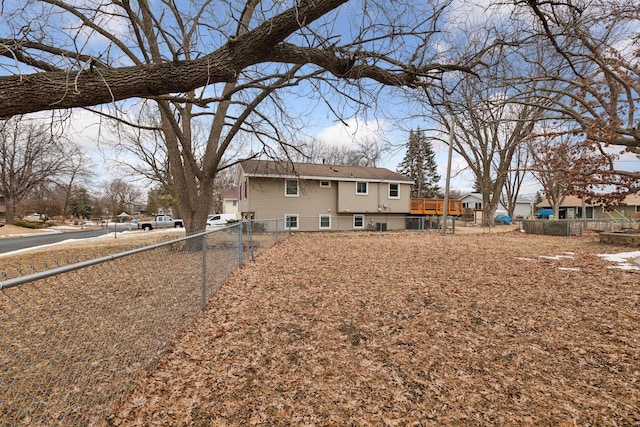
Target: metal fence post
column 240, row 243
column 250, row 233
column 204, row 273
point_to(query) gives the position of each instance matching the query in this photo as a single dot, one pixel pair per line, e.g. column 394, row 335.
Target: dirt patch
column 408, row 329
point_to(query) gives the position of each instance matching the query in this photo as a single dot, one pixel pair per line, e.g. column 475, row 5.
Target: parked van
column 217, row 220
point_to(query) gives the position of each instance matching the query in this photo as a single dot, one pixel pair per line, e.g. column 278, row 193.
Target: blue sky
column 388, row 120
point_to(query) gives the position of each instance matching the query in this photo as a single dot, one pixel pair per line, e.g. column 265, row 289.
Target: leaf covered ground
column 408, row 329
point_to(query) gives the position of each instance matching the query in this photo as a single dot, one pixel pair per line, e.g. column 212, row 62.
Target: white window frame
column 325, row 184
column 320, row 226
column 286, row 187
column 358, row 227
column 366, row 184
column 286, row 225
column 397, row 189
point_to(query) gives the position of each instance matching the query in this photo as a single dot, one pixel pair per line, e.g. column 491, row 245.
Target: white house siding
column 474, row 201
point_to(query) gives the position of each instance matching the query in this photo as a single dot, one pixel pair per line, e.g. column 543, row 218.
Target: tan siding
column 375, row 201
column 269, row 202
column 266, row 198
column 349, row 201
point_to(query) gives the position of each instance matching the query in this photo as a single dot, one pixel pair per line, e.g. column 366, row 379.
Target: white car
column 220, row 220
column 35, row 217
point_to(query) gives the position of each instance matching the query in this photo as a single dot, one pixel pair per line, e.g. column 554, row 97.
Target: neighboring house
column 472, row 202
column 572, row 207
column 3, row 208
column 134, row 208
column 322, row 197
column 230, row 201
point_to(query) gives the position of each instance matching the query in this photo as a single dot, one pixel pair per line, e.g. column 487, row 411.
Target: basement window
column 358, row 221
column 291, row 221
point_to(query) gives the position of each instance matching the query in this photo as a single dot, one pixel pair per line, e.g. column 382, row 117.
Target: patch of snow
column 525, row 259
column 624, row 260
column 569, row 268
column 557, row 257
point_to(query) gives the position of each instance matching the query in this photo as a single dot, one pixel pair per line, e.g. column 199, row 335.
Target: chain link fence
column 75, row 338
column 364, row 222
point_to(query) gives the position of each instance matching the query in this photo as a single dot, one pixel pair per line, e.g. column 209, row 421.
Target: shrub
column 32, row 225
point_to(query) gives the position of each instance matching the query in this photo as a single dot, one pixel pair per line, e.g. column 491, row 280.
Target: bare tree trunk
column 10, row 210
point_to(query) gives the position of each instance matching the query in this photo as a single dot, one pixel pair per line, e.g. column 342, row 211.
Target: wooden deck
column 420, row 206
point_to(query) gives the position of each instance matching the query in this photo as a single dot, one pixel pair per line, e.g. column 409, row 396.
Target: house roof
column 230, row 194
column 268, row 168
column 478, row 196
column 573, row 201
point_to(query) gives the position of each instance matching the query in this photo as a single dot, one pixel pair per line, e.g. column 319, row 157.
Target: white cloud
column 88, row 130
column 351, row 132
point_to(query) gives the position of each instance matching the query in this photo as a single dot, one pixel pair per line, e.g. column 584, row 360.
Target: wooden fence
column 574, row 227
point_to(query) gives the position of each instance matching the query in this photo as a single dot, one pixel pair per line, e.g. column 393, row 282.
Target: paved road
column 17, row 243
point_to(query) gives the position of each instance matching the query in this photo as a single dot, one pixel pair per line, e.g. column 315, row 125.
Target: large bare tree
column 118, row 192
column 225, row 63
column 555, row 157
column 598, row 87
column 488, row 133
column 515, row 178
column 32, row 156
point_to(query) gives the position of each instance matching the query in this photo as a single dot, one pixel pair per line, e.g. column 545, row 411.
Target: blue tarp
column 503, row 219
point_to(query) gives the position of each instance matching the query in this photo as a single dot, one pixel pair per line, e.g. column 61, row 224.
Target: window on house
column 362, row 188
column 358, row 221
column 325, row 222
column 234, row 203
column 325, row 184
column 394, row 191
column 291, row 221
column 291, row 188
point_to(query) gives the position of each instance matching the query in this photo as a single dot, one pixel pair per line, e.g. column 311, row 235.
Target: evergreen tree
column 419, row 165
column 80, row 203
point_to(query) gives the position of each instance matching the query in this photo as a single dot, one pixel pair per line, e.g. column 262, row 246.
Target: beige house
column 572, row 206
column 230, row 201
column 308, row 197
